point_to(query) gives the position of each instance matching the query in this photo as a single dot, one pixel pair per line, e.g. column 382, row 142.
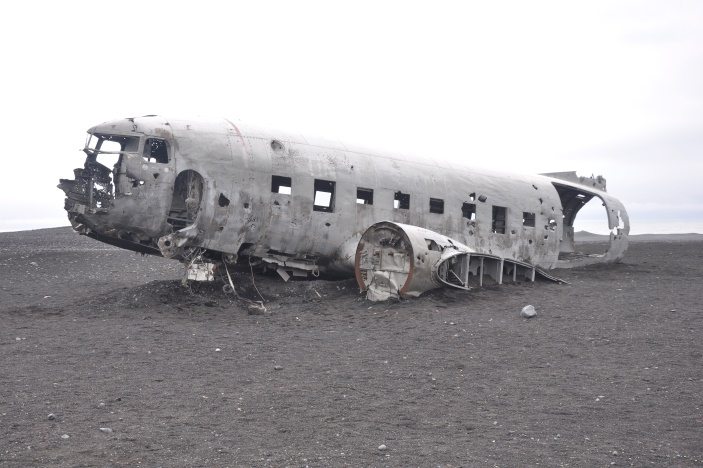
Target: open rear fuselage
column 237, row 191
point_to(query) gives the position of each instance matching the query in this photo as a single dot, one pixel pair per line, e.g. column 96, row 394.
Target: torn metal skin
column 219, row 192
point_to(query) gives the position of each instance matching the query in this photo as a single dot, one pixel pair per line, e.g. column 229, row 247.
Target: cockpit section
column 114, row 167
column 124, row 187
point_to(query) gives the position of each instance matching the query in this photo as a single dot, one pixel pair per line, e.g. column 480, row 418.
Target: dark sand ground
column 609, row 372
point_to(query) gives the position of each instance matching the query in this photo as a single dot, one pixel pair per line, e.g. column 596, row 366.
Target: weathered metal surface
column 301, row 205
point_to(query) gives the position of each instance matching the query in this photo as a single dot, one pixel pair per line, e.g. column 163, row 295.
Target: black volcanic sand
column 609, row 372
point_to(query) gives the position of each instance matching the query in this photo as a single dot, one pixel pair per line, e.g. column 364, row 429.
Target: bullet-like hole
column 276, row 145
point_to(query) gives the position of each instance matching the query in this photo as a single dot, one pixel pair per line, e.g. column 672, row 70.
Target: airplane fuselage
column 286, row 199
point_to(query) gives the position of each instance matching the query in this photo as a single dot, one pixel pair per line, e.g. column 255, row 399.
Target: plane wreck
column 216, row 194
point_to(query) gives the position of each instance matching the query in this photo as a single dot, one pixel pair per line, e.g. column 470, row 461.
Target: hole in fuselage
column 586, row 235
column 185, row 203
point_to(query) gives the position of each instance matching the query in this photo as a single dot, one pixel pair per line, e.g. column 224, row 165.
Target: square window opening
column 156, row 150
column 436, row 205
column 401, row 201
column 364, row 196
column 324, row 196
column 281, row 184
column 528, row 219
column 499, row 216
column 468, row 211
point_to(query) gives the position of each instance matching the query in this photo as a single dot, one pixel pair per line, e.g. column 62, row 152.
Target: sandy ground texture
column 106, row 360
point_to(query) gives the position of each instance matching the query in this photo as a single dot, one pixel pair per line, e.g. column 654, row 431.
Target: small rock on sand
column 528, row 311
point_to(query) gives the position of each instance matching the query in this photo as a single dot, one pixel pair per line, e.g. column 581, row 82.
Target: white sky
column 612, row 88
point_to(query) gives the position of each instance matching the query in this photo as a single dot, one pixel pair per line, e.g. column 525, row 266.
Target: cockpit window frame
column 110, row 159
column 101, row 137
column 159, row 159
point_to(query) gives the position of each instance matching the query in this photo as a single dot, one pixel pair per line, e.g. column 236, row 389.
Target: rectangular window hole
column 364, row 196
column 499, row 216
column 401, row 201
column 436, row 205
column 468, row 211
column 156, row 150
column 281, row 184
column 324, row 196
column 528, row 219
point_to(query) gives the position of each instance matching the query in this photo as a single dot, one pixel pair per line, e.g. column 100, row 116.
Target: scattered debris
column 51, row 416
column 217, row 350
column 200, row 271
column 528, row 311
column 65, row 436
column 382, row 447
column 256, row 310
column 106, row 430
column 277, row 367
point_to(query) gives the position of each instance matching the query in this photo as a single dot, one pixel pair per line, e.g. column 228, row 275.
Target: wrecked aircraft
column 216, row 194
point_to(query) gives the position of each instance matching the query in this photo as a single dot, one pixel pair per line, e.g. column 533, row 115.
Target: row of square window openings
column 324, row 201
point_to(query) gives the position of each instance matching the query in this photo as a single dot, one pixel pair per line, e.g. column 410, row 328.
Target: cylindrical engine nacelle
column 394, row 259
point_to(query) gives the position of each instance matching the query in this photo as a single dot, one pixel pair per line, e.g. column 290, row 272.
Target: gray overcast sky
column 612, row 88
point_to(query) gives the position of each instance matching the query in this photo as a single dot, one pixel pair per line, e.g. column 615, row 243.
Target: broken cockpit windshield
column 93, row 186
column 106, row 149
